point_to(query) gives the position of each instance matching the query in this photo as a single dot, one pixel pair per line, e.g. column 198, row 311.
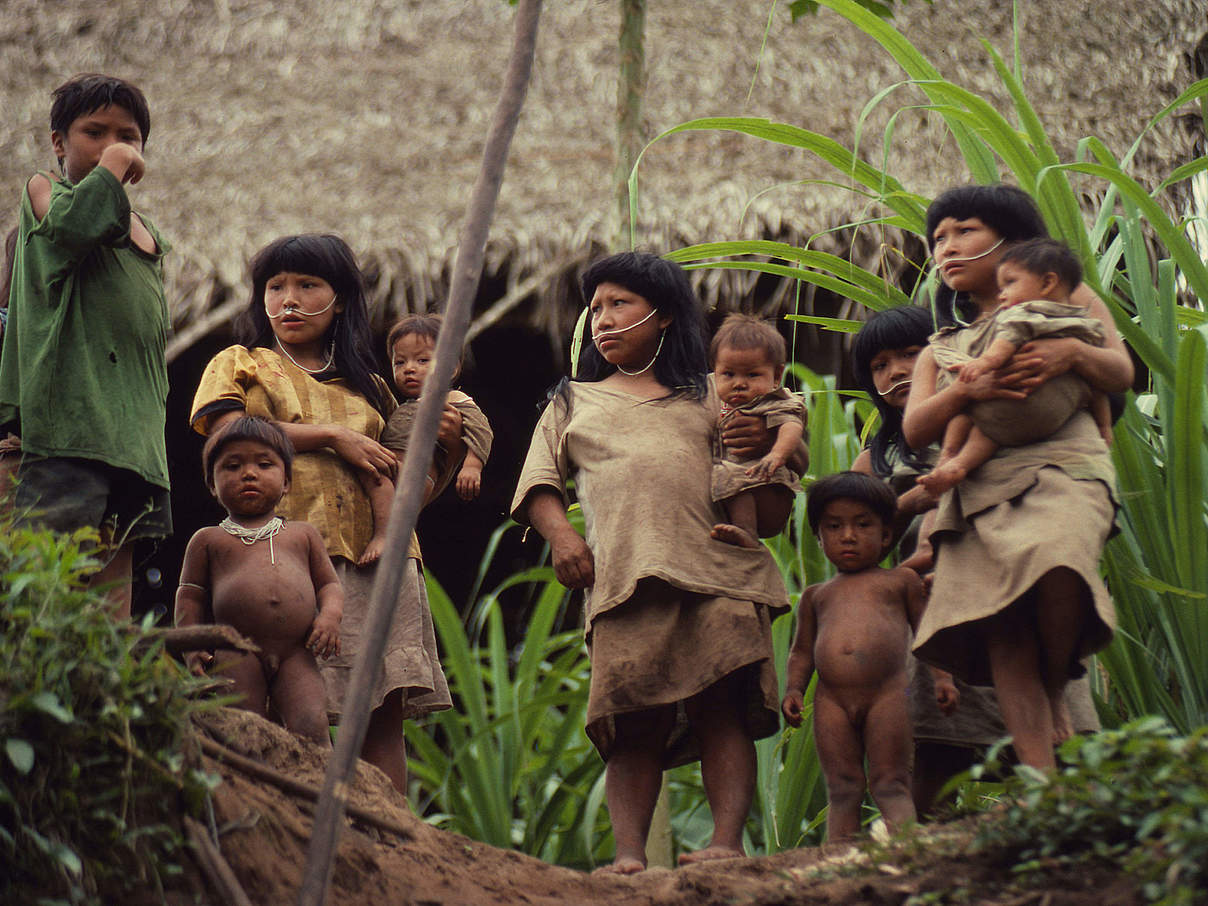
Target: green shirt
column 83, row 371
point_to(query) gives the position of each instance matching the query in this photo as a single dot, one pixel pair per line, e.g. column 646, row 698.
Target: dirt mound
column 264, row 830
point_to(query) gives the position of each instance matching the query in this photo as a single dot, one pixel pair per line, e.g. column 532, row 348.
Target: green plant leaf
column 20, row 753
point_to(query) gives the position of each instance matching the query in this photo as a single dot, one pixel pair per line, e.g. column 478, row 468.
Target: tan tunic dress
column 1029, row 510
column 1016, row 422
column 672, row 610
column 729, row 472
column 325, row 492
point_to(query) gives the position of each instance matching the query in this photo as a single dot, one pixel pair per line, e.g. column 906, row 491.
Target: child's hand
column 791, row 706
column 946, row 694
column 373, row 550
column 574, row 564
column 324, row 640
column 971, row 371
column 123, row 161
column 197, row 661
column 469, row 482
column 766, row 467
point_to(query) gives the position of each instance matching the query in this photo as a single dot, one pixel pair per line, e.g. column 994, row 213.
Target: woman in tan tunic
column 1017, row 598
column 307, row 366
column 678, row 624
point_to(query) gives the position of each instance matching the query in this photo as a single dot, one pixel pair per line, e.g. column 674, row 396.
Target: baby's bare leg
column 246, row 674
column 841, row 754
column 300, row 697
column 742, row 529
column 890, row 743
column 727, row 762
column 976, row 450
column 773, row 506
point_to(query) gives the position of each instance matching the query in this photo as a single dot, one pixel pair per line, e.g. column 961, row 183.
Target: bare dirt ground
column 264, row 831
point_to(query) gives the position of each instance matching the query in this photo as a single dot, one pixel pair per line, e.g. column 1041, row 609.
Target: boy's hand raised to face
column 123, row 161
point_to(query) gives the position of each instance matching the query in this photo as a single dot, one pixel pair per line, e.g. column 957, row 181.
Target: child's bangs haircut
column 1009, row 211
column 328, row 256
column 1045, row 256
column 857, row 486
column 739, row 331
column 248, row 427
column 426, row 326
column 91, row 91
column 893, row 328
column 681, row 362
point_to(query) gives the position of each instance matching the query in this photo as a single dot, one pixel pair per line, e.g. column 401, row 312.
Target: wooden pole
column 408, row 498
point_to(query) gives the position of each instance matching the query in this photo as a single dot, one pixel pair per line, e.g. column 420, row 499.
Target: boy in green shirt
column 83, row 374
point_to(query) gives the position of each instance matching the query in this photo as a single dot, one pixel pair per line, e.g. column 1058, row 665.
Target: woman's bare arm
column 574, row 564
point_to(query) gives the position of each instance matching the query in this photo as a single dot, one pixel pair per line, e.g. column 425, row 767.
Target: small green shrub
column 1137, row 795
column 92, row 776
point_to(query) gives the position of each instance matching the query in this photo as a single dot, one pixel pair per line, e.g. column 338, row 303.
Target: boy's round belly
column 859, row 658
column 271, row 608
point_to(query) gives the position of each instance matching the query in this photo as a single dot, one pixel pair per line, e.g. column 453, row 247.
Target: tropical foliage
column 92, row 777
column 511, row 766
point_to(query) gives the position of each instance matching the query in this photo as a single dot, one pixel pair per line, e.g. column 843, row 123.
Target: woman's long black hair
column 894, row 328
column 682, row 361
column 1009, row 211
column 328, row 256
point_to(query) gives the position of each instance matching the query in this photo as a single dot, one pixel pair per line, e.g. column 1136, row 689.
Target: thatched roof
column 366, row 117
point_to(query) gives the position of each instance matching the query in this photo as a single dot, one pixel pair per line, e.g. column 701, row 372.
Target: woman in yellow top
column 307, row 365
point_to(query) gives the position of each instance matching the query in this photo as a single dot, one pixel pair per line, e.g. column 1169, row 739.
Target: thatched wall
column 366, row 117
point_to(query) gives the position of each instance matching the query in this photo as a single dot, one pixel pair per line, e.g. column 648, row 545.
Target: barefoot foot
column 624, row 865
column 710, row 854
column 942, row 478
column 732, row 534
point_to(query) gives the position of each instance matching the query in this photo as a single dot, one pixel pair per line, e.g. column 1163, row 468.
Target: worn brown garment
column 411, row 661
column 1016, row 422
column 976, row 722
column 665, row 646
column 475, row 431
column 641, row 470
column 1027, row 511
column 729, row 472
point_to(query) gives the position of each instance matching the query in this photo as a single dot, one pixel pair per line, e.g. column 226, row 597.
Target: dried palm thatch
column 366, row 116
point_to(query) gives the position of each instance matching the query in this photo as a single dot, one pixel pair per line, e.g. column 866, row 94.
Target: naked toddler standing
column 855, row 630
column 271, row 580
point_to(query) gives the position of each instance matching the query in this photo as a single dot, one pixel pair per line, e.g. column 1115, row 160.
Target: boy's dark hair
column 328, row 256
column 681, row 362
column 739, row 331
column 91, row 91
column 247, row 427
column 1045, row 256
column 893, row 328
column 857, row 486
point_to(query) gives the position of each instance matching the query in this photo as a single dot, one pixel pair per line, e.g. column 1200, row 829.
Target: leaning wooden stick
column 471, row 249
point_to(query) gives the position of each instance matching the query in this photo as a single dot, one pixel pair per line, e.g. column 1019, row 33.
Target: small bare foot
column 710, row 854
column 942, row 478
column 732, row 534
column 624, row 865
